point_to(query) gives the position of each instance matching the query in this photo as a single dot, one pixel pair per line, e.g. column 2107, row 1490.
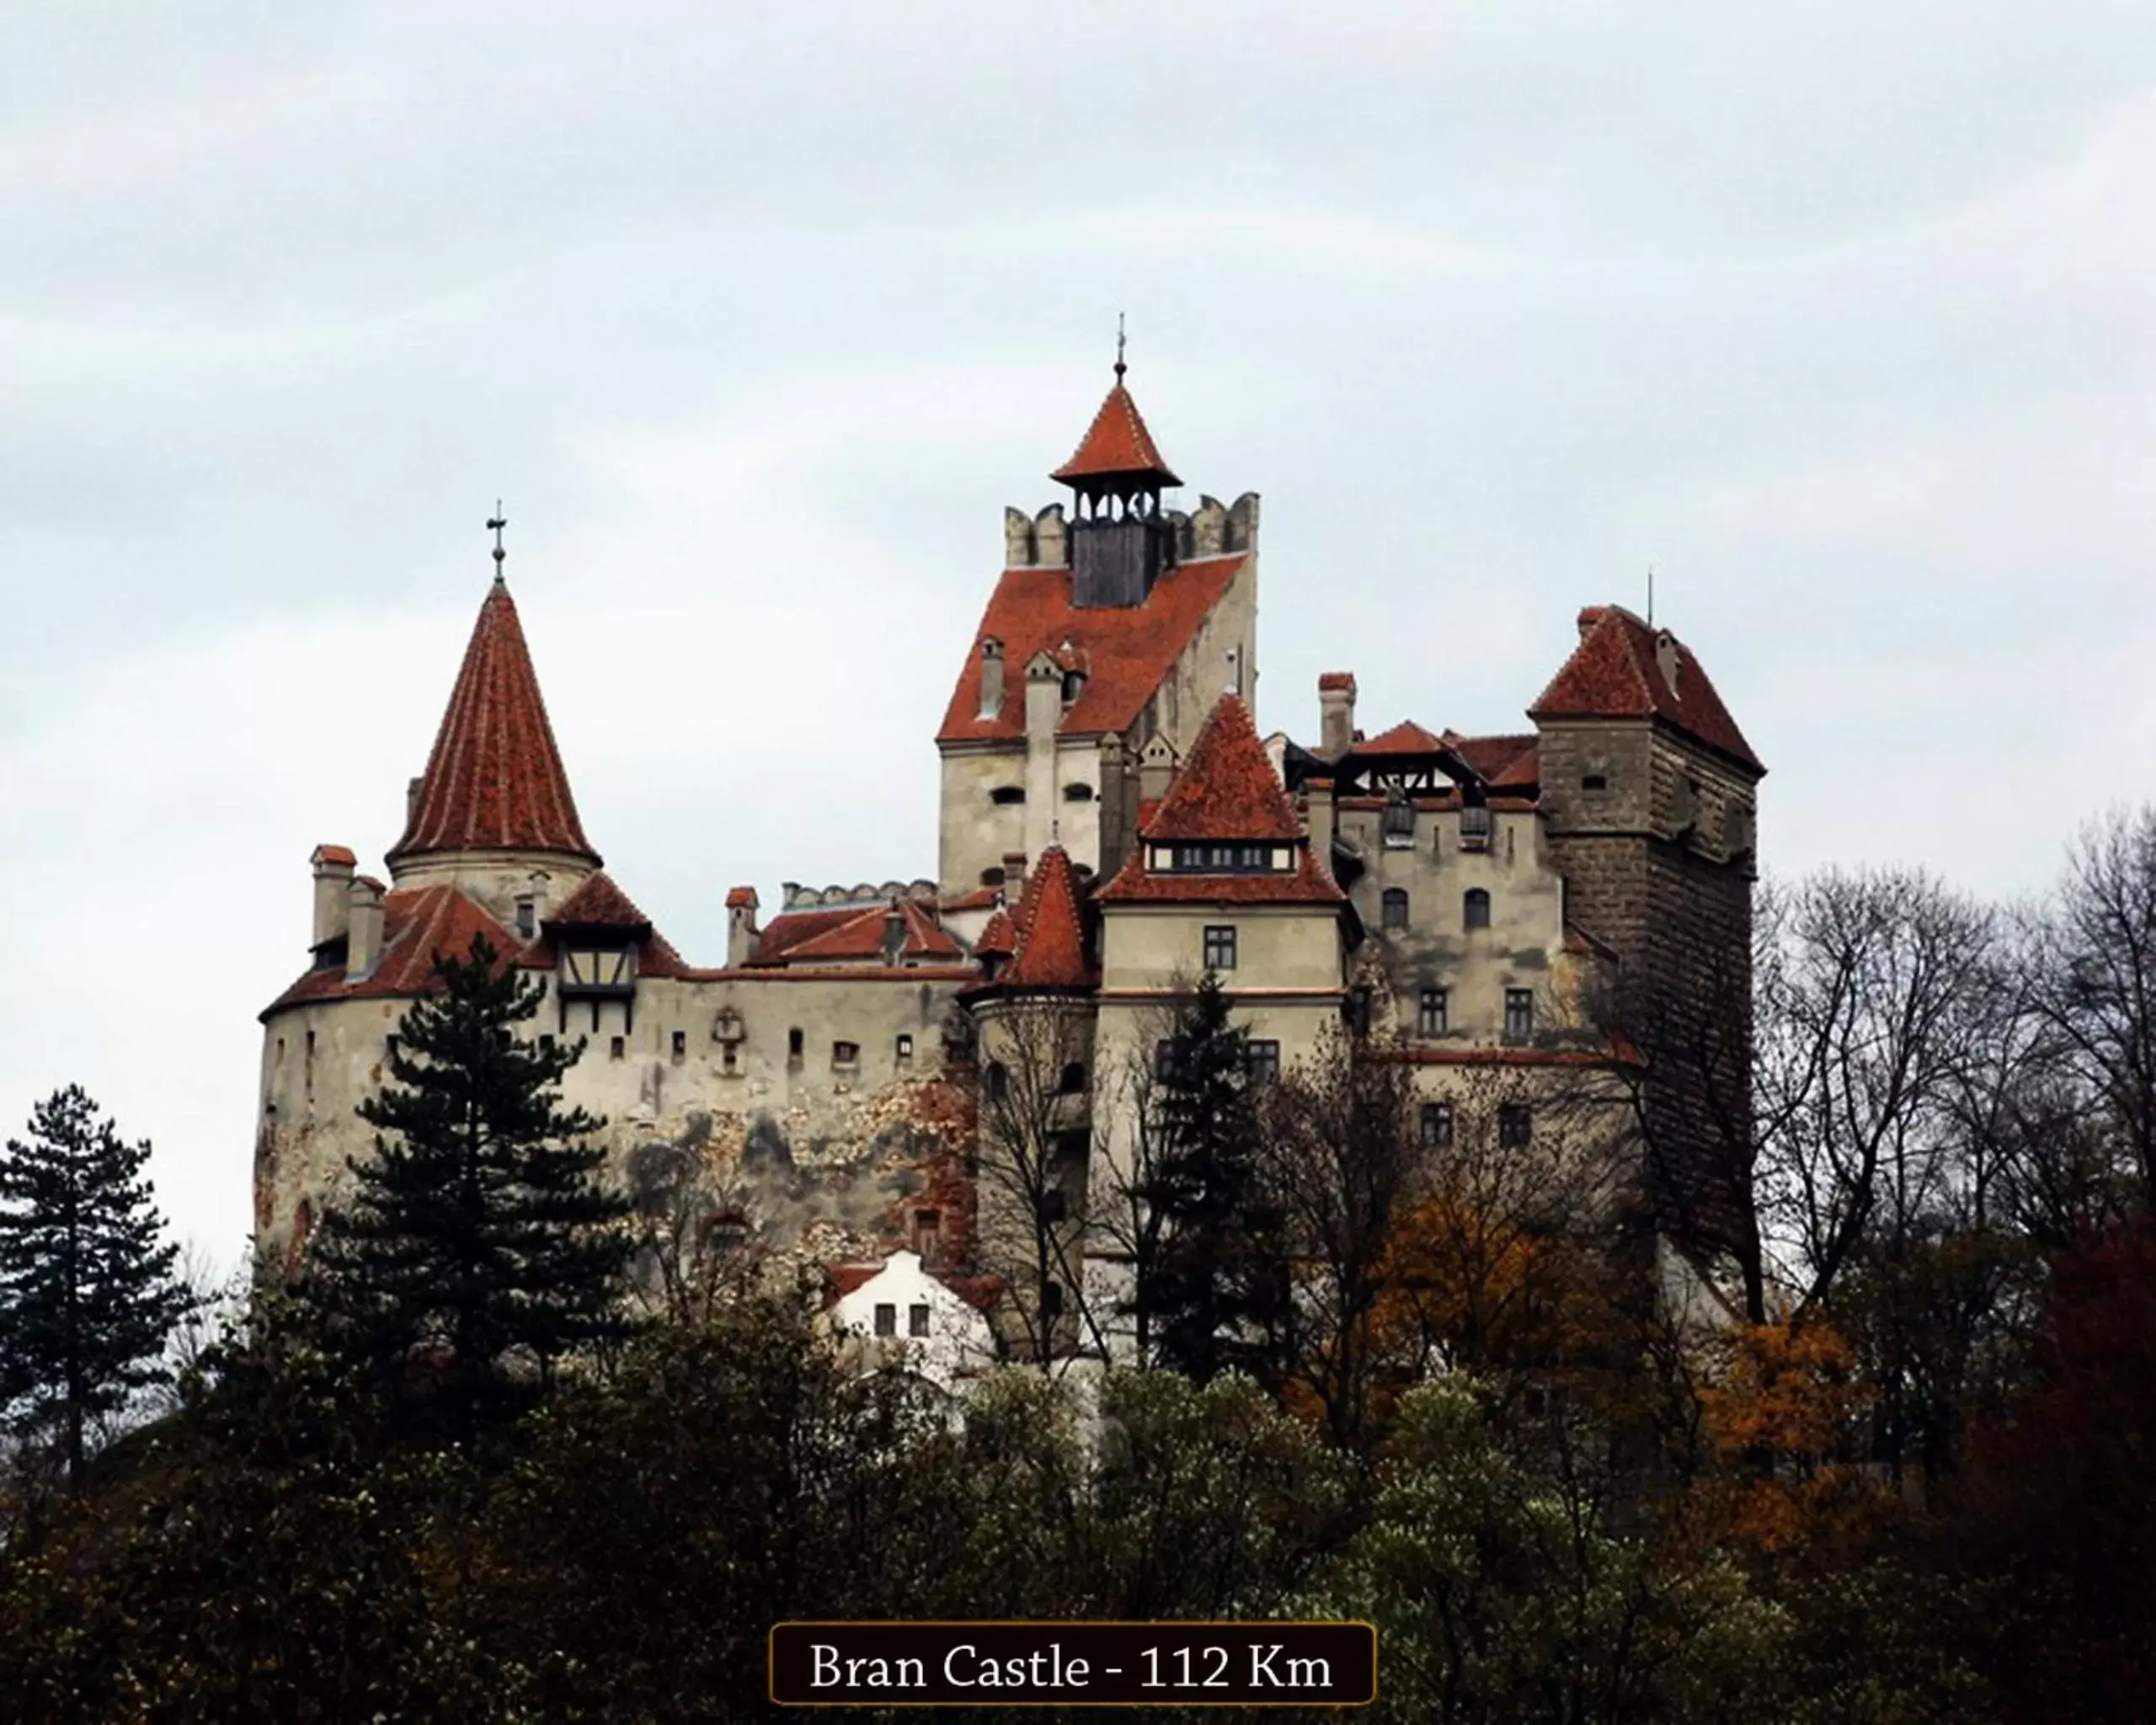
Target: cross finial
column 1120, row 368
column 495, row 524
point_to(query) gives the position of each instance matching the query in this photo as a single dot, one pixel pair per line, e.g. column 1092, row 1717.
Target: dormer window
column 1228, row 859
column 1399, row 823
column 1074, row 686
column 1475, row 827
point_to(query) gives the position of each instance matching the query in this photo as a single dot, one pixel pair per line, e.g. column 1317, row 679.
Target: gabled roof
column 1405, row 737
column 1116, row 445
column 1051, row 931
column 1505, row 760
column 495, row 779
column 1615, row 673
column 416, row 924
column 1227, row 789
column 860, row 936
column 599, row 904
column 1128, row 650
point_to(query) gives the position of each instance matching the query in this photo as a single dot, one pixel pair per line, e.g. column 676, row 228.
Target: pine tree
column 1211, row 1297
column 479, row 1237
column 87, row 1295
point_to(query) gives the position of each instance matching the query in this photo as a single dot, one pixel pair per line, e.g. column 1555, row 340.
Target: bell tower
column 1121, row 544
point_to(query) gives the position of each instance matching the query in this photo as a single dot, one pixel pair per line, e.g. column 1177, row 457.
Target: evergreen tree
column 1213, row 1294
column 87, row 1295
column 479, row 1238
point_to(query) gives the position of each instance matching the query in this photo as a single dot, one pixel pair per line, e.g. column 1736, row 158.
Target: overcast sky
column 1839, row 314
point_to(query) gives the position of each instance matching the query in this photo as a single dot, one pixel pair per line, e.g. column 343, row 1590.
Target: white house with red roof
column 859, row 1076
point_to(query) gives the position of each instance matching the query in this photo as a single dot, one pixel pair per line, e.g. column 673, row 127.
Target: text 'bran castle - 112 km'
column 1508, row 913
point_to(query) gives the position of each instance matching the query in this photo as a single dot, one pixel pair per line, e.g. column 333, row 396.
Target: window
column 1437, row 1125
column 1475, row 828
column 1399, row 824
column 1077, row 793
column 1595, row 781
column 1219, row 947
column 1051, row 1299
column 846, row 1053
column 905, row 1046
column 310, row 1044
column 886, row 1319
column 917, row 1320
column 1055, row 1206
column 1261, row 1060
column 1007, row 793
column 793, row 1046
column 1515, row 1125
column 1074, row 686
column 389, row 1045
column 527, row 918
column 1393, row 907
column 680, row 1046
column 729, row 1058
column 547, row 1042
column 1223, row 859
column 928, row 1231
column 1430, row 1012
column 998, row 1077
column 992, row 877
column 1475, row 908
column 616, row 1047
column 1520, row 1013
column 1356, row 1010
column 1072, row 1081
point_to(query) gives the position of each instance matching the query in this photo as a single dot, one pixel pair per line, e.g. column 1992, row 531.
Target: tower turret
column 1120, row 541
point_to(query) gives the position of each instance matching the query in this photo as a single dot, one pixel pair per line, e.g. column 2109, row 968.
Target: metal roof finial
column 495, row 526
column 1120, row 368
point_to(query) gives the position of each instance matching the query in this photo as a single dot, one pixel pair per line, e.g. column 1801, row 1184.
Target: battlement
column 797, row 897
column 1213, row 529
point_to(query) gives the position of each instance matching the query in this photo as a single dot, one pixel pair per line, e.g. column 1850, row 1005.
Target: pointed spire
column 494, row 780
column 1116, row 446
column 1227, row 789
column 1051, row 932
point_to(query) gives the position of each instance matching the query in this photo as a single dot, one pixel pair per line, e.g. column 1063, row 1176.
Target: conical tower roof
column 1051, row 931
column 494, row 780
column 1116, row 446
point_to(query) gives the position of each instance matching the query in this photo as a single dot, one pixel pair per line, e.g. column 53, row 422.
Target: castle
column 854, row 1081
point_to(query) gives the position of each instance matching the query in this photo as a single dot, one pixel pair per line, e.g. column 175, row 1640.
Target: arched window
column 1077, row 793
column 1395, row 904
column 1073, row 1080
column 998, row 1077
column 1474, row 910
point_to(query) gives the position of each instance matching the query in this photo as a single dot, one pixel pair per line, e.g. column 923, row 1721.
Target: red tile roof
column 979, row 899
column 598, row 903
column 1000, row 939
column 1405, row 737
column 1116, row 445
column 1614, row 673
column 1128, row 648
column 1051, row 930
column 416, row 924
column 739, row 897
column 789, row 928
column 860, row 935
column 1227, row 788
column 494, row 780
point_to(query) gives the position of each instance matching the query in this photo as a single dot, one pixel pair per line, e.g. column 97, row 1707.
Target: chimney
column 1318, row 809
column 741, row 930
column 991, row 678
column 332, row 875
column 1108, row 805
column 1335, row 714
column 1014, row 874
column 1156, row 769
column 365, row 948
column 1666, row 659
